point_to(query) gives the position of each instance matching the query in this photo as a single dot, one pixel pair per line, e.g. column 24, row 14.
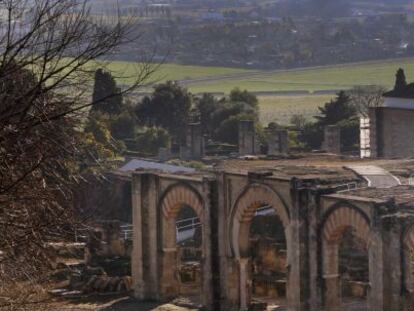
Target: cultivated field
column 280, row 109
column 200, row 79
column 313, row 79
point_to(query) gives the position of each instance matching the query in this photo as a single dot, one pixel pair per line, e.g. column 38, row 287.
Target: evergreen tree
column 106, row 95
column 168, row 107
column 336, row 110
column 400, row 80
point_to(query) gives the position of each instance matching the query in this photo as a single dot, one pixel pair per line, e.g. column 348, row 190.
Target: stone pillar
column 376, row 270
column 408, row 280
column 185, row 153
column 277, row 141
column 151, row 228
column 207, row 240
column 372, row 116
column 247, row 138
column 244, row 290
column 315, row 257
column 297, row 238
column 392, row 263
column 144, row 262
column 164, row 154
column 332, row 139
column 194, row 148
column 136, row 256
column 331, row 277
column 169, row 284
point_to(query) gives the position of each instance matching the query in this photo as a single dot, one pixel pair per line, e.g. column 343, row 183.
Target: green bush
column 150, row 139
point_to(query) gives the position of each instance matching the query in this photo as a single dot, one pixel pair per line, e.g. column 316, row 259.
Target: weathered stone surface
column 314, row 220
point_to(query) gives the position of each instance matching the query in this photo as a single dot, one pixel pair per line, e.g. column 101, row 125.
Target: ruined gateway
column 316, row 198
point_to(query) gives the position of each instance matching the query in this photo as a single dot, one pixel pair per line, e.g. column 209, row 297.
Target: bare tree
column 49, row 51
column 365, row 97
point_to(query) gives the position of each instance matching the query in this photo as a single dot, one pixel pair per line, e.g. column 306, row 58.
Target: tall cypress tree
column 400, row 80
column 106, row 96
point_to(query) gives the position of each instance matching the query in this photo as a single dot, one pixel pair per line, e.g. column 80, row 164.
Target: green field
column 328, row 78
column 125, row 72
column 221, row 79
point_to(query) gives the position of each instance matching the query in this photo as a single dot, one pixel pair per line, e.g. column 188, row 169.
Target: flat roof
column 402, row 195
column 136, row 164
column 321, row 166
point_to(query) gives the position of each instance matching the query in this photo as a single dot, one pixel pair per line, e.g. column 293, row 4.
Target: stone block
column 248, row 142
column 332, row 139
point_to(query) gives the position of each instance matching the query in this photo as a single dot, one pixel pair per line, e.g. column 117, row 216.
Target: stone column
column 244, row 291
column 144, row 262
column 247, row 138
column 372, row 115
column 277, row 141
column 195, row 140
column 164, row 154
column 194, row 147
column 408, row 281
column 315, row 257
column 392, row 260
column 136, row 256
column 207, row 272
column 376, row 270
column 151, row 228
column 331, row 277
column 222, row 218
column 332, row 139
column 169, row 285
column 297, row 237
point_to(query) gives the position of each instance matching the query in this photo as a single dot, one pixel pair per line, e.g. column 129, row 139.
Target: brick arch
column 176, row 196
column 243, row 211
column 343, row 217
column 251, row 198
column 339, row 218
column 256, row 196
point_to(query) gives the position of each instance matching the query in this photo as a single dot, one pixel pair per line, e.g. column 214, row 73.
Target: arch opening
column 345, row 245
column 353, row 269
column 183, row 246
column 263, row 275
column 189, row 240
column 268, row 259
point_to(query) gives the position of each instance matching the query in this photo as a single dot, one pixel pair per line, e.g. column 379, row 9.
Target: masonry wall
column 154, row 254
column 395, row 132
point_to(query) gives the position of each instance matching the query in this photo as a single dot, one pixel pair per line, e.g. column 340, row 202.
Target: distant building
column 389, row 130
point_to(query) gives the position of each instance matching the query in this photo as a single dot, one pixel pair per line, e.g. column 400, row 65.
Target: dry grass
column 280, row 109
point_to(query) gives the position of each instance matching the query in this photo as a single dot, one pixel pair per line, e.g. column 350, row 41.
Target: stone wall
column 248, row 143
column 394, row 134
column 314, row 222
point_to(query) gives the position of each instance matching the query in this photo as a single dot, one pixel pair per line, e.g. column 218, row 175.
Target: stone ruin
column 332, row 139
column 315, row 213
column 277, row 141
column 194, row 148
column 98, row 263
column 248, row 142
